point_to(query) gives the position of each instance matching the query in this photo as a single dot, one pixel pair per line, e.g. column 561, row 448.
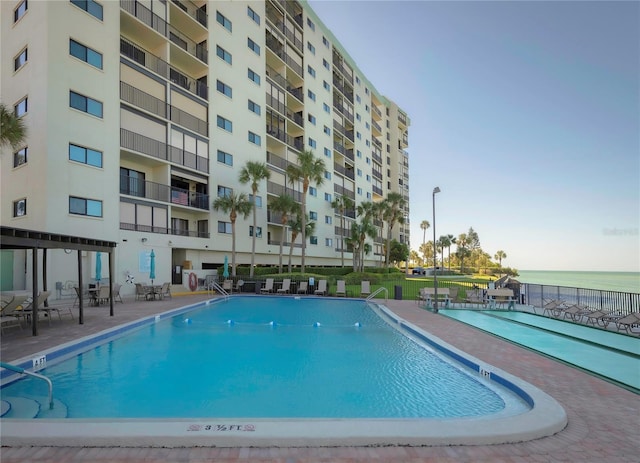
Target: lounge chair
column 341, row 290
column 628, row 322
column 104, row 294
column 268, row 286
column 322, row 288
column 303, row 287
column 116, row 293
column 227, row 285
column 286, row 286
column 575, row 312
column 598, row 317
column 27, row 309
column 554, row 308
column 239, row 286
column 365, row 288
column 165, row 290
column 11, row 312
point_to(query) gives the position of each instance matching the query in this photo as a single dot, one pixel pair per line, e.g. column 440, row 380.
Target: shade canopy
column 98, row 267
column 152, row 266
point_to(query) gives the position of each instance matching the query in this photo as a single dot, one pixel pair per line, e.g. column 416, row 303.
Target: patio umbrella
column 98, row 267
column 152, row 266
column 225, row 272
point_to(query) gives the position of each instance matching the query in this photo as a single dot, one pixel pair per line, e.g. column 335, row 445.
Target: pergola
column 16, row 238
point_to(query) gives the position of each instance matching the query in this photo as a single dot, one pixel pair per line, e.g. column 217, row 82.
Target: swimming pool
column 261, row 362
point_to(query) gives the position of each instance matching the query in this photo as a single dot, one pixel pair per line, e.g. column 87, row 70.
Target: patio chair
column 628, row 322
column 10, row 314
column 286, row 286
column 239, row 286
column 575, row 312
column 599, row 317
column 554, row 307
column 227, row 285
column 341, row 290
column 143, row 292
column 268, row 286
column 116, row 293
column 365, row 288
column 165, row 290
column 303, row 287
column 103, row 295
column 322, row 288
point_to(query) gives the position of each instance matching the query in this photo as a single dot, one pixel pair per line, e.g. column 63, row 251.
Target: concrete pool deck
column 603, row 418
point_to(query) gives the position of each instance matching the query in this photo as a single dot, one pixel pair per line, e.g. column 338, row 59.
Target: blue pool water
column 268, row 357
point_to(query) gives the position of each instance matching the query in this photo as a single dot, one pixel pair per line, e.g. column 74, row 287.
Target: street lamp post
column 435, row 254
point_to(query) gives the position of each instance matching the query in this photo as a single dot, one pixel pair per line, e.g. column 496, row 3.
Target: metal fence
column 594, row 299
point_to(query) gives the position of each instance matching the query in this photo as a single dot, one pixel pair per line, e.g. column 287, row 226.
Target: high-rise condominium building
column 140, row 114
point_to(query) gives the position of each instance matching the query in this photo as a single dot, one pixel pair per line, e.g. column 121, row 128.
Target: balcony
column 344, row 192
column 199, row 14
column 162, row 230
column 133, row 186
column 345, row 171
column 281, row 190
column 145, row 15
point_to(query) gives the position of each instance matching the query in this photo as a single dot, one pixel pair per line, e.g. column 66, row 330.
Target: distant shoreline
column 605, row 280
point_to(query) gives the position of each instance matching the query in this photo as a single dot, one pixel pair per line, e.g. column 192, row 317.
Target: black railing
column 162, row 230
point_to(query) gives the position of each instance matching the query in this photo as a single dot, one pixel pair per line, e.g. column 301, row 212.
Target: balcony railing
column 281, row 190
column 143, row 100
column 344, row 171
column 162, row 230
column 189, row 121
column 277, row 161
column 199, row 50
column 133, row 186
column 376, row 190
column 136, row 142
column 343, row 191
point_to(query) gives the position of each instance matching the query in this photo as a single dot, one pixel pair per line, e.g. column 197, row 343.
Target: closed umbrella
column 152, row 266
column 98, row 267
column 225, row 272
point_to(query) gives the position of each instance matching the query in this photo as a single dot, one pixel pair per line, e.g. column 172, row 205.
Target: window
column 311, row 48
column 258, row 231
column 20, row 60
column 368, row 195
column 368, row 178
column 327, row 197
column 224, row 89
column 313, row 215
column 224, row 191
column 20, row 157
column 225, row 124
column 253, row 76
column 359, row 172
column 85, row 155
column 254, row 107
column 223, row 21
column 326, row 108
column 179, row 226
column 90, row 6
column 311, row 95
column 358, row 117
column 20, row 108
column 311, row 118
column 366, row 91
column 223, row 54
column 20, row 207
column 328, row 242
column 224, row 227
column 313, row 191
column 368, row 160
column 357, row 80
column 253, row 15
column 83, row 206
column 311, row 71
column 20, row 10
column 310, row 24
column 326, row 85
column 258, row 201
column 358, row 99
column 86, row 104
column 327, row 130
column 313, row 240
column 366, row 108
column 325, row 63
column 327, row 152
column 358, row 136
column 85, row 53
column 325, row 42
column 327, row 175
column 359, row 153
column 359, row 191
column 132, row 182
column 255, row 139
column 225, row 158
column 312, row 143
column 253, row 46
column 328, row 219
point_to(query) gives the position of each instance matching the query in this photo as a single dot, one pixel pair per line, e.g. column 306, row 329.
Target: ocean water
column 612, row 281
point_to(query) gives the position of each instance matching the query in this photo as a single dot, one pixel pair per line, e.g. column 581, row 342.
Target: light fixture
column 435, row 254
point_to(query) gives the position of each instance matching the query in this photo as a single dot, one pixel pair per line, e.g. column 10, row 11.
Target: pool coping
column 547, row 417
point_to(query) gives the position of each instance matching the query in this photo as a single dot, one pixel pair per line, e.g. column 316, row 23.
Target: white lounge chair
column 341, row 290
column 303, row 287
column 268, row 286
column 11, row 312
column 286, row 286
column 322, row 288
column 365, row 288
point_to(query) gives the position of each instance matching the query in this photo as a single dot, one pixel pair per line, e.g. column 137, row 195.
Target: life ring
column 193, row 281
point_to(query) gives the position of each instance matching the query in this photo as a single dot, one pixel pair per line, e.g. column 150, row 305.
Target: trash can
column 397, row 293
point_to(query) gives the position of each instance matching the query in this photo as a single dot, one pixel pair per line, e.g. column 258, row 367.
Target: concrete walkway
column 604, row 419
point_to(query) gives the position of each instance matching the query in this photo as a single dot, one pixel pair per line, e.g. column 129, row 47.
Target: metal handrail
column 30, row 373
column 379, row 290
column 217, row 287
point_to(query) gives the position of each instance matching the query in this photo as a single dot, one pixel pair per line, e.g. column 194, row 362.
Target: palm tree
column 13, row 131
column 343, row 204
column 361, row 231
column 234, row 204
column 500, row 255
column 444, row 242
column 309, row 169
column 296, row 229
column 254, row 172
column 424, row 225
column 452, row 240
column 285, row 205
column 392, row 212
column 462, row 251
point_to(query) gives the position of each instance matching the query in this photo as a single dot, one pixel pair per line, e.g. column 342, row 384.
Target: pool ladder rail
column 35, row 375
column 378, row 291
column 215, row 286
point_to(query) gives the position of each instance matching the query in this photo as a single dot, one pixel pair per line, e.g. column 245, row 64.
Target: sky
column 526, row 114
